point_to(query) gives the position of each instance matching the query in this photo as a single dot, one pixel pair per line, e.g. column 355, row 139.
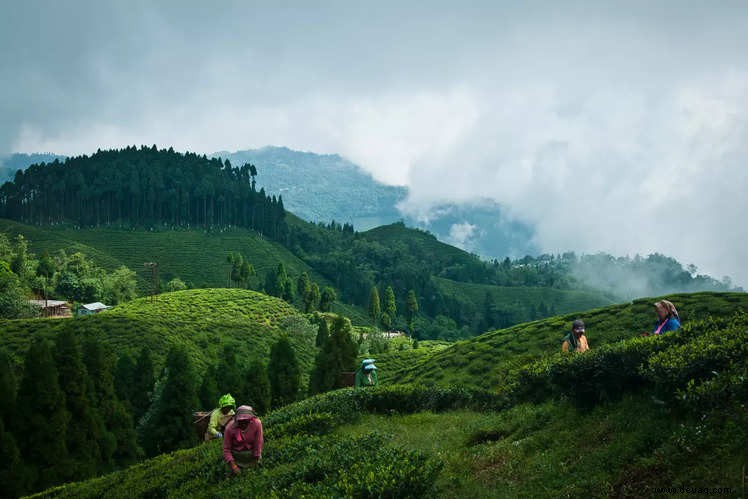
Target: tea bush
column 294, row 466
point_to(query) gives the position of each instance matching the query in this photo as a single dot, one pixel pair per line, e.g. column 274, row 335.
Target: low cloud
column 606, row 127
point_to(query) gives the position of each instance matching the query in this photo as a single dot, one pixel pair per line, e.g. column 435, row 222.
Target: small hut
column 52, row 308
column 92, row 308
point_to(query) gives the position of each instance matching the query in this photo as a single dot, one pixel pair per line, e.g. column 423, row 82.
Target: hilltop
column 638, row 417
column 202, row 320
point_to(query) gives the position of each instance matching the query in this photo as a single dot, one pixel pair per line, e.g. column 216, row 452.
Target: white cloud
column 606, row 126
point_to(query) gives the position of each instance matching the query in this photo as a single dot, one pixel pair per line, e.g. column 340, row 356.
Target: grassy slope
column 483, row 361
column 624, row 447
column 554, row 450
column 203, row 320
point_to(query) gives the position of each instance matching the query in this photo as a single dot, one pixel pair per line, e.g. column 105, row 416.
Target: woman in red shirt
column 242, row 440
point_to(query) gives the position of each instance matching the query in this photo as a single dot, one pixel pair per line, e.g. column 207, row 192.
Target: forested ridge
column 142, row 187
column 134, row 191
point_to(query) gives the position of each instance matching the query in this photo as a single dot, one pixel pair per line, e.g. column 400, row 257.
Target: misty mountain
column 321, row 188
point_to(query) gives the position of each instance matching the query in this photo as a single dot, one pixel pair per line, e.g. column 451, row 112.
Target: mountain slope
column 486, row 361
column 679, row 422
column 321, row 188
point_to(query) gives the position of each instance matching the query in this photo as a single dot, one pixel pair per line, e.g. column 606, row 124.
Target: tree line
column 142, row 187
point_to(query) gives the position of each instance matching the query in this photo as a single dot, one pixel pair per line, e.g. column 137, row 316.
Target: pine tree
column 11, row 470
column 208, row 392
column 411, row 308
column 118, row 444
column 314, row 297
column 45, row 422
column 170, row 427
column 389, row 303
column 284, row 373
column 338, row 354
column 142, row 383
column 12, row 475
column 231, row 377
column 374, row 306
column 258, row 387
column 327, row 299
column 85, row 431
column 124, row 377
column 7, row 389
column 386, row 321
column 323, row 333
column 304, row 290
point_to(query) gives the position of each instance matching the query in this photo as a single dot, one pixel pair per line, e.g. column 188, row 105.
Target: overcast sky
column 620, row 127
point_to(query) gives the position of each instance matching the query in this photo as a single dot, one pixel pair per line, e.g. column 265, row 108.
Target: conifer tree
column 45, row 422
column 374, row 305
column 118, row 445
column 7, row 389
column 304, row 290
column 85, row 431
column 258, row 387
column 208, row 393
column 323, row 332
column 327, row 299
column 284, row 373
column 142, row 384
column 12, row 477
column 411, row 308
column 314, row 297
column 338, row 354
column 231, row 377
column 389, row 303
column 170, row 426
column 124, row 377
column 11, row 471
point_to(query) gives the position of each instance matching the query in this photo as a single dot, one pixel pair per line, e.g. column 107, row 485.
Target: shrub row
column 296, row 466
column 345, row 405
column 668, row 363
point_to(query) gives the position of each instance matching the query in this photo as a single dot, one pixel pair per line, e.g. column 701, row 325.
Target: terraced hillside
column 202, row 320
column 666, row 417
column 195, row 256
column 485, row 361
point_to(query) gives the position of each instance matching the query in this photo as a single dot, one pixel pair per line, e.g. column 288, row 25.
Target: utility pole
column 154, row 278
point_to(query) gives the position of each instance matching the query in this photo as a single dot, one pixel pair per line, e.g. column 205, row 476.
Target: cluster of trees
column 142, row 187
column 72, row 277
column 77, row 410
column 304, row 292
column 63, row 419
column 337, row 354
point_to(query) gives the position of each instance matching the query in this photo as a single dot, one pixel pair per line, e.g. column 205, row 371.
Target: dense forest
column 143, row 187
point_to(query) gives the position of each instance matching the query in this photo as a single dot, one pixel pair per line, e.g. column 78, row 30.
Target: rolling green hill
column 641, row 417
column 202, row 320
column 195, row 256
column 485, row 361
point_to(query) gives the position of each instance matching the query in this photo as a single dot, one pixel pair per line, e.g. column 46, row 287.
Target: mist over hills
column 321, row 188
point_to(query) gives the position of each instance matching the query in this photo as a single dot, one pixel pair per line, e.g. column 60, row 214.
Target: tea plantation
column 203, row 320
column 485, row 361
column 643, row 416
